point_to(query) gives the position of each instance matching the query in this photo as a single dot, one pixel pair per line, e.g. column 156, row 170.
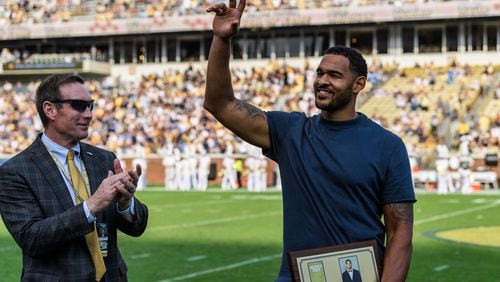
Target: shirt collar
column 59, row 151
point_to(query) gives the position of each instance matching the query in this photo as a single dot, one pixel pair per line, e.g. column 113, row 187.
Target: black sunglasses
column 78, row 105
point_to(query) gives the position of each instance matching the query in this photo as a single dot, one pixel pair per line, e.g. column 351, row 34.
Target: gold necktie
column 91, row 238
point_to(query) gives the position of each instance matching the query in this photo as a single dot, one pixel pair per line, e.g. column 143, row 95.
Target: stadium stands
column 21, row 11
column 162, row 109
column 149, row 94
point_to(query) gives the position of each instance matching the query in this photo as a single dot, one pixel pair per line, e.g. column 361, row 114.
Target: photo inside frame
column 359, row 261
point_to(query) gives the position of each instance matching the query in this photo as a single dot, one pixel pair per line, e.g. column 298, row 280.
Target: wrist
column 222, row 39
column 91, row 206
column 124, row 204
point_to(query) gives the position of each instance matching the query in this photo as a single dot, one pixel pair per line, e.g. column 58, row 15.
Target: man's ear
column 359, row 84
column 50, row 110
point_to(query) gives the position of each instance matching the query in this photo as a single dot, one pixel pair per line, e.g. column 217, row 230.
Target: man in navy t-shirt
column 340, row 171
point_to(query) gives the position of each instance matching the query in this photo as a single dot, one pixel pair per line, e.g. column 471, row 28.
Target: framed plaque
column 358, row 261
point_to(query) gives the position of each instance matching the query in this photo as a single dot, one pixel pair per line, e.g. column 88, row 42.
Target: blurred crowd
column 443, row 106
column 43, row 11
column 159, row 113
column 156, row 111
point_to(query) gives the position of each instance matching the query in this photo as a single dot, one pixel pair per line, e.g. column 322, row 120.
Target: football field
column 236, row 236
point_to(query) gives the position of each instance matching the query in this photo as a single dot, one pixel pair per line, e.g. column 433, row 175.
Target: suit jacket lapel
column 42, row 159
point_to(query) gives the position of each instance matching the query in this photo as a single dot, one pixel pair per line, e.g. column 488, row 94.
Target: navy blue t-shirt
column 336, row 176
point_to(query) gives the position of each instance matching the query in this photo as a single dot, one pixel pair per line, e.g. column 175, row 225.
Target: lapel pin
column 89, row 153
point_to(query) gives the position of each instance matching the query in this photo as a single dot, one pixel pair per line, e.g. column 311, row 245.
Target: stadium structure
column 93, row 39
column 406, row 31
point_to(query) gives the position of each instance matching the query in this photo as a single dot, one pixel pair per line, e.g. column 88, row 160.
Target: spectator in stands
column 163, row 117
column 7, row 56
column 338, row 157
column 60, row 193
column 43, row 11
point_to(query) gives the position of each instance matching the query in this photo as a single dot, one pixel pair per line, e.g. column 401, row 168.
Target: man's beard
column 338, row 102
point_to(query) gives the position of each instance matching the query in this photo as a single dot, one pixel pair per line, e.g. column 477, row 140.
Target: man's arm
column 398, row 219
column 32, row 216
column 244, row 119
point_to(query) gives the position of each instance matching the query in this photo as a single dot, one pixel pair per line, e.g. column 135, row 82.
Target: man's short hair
column 357, row 63
column 48, row 90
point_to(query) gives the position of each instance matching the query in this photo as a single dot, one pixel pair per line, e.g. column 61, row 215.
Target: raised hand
column 126, row 192
column 227, row 19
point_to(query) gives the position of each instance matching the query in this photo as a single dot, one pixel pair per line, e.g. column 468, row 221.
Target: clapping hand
column 125, row 193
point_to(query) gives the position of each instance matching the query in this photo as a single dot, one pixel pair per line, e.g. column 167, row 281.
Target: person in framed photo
column 341, row 172
column 350, row 274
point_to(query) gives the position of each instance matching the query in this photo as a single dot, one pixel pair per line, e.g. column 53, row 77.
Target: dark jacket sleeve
column 138, row 226
column 32, row 214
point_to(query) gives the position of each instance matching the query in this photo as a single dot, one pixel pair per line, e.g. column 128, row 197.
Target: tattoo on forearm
column 402, row 212
column 248, row 108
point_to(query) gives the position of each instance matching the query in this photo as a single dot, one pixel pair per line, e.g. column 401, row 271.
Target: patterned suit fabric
column 39, row 212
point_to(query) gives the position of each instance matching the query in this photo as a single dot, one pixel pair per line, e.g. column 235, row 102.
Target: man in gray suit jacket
column 47, row 215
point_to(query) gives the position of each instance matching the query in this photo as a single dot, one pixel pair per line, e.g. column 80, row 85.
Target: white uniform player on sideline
column 178, row 169
column 454, row 165
column 169, row 164
column 465, row 174
column 203, row 170
column 412, row 154
column 192, row 164
column 229, row 177
column 252, row 165
column 277, row 177
column 185, row 173
column 463, row 148
column 444, row 177
column 465, row 163
column 262, row 182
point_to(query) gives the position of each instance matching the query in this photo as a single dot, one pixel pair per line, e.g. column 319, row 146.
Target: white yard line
column 140, row 256
column 222, row 268
column 255, row 260
column 456, row 213
column 195, row 258
column 441, row 267
column 172, row 206
column 6, row 249
column 214, row 221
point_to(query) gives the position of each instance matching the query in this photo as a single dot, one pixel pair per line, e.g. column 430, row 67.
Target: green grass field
column 236, row 236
